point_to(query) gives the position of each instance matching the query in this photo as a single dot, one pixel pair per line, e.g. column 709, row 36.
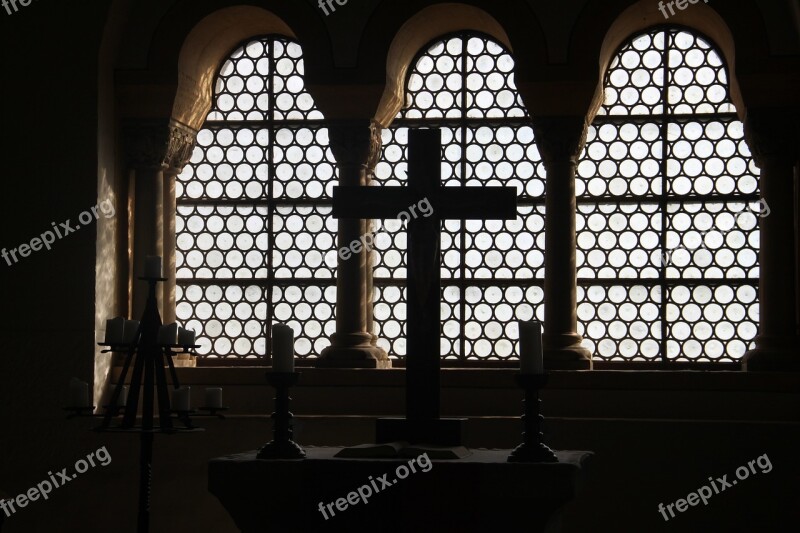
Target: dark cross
column 422, row 423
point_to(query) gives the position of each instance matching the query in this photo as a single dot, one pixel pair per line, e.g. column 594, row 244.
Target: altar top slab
column 471, row 494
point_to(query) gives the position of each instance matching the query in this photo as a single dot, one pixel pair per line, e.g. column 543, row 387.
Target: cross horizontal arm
column 458, row 203
column 372, row 202
column 476, row 203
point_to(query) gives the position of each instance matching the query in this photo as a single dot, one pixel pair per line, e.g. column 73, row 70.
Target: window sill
column 614, row 379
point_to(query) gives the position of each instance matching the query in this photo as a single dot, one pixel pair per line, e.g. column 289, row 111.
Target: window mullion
column 665, row 117
column 269, row 287
column 462, row 301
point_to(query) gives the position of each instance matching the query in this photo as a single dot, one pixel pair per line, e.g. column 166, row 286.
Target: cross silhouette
column 423, row 423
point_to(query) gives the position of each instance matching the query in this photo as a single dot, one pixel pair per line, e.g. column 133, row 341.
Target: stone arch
column 204, row 49
column 645, row 14
column 422, row 28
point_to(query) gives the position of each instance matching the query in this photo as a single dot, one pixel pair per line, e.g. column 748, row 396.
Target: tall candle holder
column 282, row 446
column 532, row 449
column 148, row 379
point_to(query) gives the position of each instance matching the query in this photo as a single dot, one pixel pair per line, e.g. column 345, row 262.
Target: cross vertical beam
column 424, row 284
column 423, row 423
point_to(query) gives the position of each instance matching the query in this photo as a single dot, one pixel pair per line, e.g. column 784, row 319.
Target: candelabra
column 532, row 448
column 282, row 446
column 149, row 360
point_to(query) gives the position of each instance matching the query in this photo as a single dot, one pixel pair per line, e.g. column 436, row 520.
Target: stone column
column 560, row 141
column 145, row 143
column 797, row 238
column 156, row 151
column 376, row 146
column 179, row 151
column 772, row 136
column 351, row 345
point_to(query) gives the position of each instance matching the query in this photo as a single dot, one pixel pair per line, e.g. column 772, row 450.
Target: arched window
column 255, row 239
column 667, row 209
column 492, row 271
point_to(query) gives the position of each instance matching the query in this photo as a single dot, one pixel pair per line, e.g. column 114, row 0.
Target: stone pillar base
column 772, row 355
column 564, row 352
column 353, row 351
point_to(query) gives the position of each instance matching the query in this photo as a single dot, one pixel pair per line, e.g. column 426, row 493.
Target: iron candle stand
column 282, row 446
column 532, row 448
column 148, row 360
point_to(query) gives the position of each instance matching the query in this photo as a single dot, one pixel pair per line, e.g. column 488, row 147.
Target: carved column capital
column 375, row 151
column 180, row 146
column 352, row 144
column 773, row 135
column 157, row 144
column 145, row 143
column 560, row 139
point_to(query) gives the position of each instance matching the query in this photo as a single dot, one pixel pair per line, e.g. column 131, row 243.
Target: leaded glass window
column 255, row 239
column 492, row 273
column 668, row 209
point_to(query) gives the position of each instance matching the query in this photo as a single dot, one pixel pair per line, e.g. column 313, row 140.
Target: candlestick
column 129, row 331
column 186, row 337
column 168, row 334
column 152, row 266
column 532, row 449
column 213, row 397
column 115, row 328
column 282, row 348
column 282, row 446
column 78, row 393
column 530, row 347
column 181, row 399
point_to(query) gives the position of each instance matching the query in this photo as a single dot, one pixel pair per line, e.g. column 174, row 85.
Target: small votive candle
column 122, row 401
column 78, row 393
column 181, row 399
column 152, row 266
column 282, row 348
column 186, row 337
column 115, row 330
column 214, row 397
column 530, row 348
column 168, row 334
column 131, row 328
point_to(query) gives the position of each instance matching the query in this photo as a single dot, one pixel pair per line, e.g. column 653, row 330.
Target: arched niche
column 204, row 50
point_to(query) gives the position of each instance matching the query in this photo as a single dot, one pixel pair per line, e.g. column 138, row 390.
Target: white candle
column 181, row 399
column 530, row 348
column 168, row 334
column 122, row 401
column 78, row 393
column 186, row 337
column 130, row 329
column 282, row 348
column 115, row 328
column 152, row 266
column 213, row 397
